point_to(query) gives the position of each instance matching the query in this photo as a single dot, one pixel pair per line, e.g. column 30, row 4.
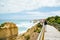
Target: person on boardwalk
column 45, row 23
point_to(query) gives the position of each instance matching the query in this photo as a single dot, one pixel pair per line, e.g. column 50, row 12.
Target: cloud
column 44, row 14
column 47, row 9
column 21, row 9
column 12, row 6
column 28, row 15
column 56, row 13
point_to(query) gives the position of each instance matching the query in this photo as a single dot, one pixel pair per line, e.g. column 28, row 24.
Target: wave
column 23, row 27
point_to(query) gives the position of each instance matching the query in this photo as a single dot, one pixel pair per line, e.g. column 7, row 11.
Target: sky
column 28, row 9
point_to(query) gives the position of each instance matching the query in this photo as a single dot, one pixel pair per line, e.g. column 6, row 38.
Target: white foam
column 28, row 25
column 22, row 32
column 25, row 25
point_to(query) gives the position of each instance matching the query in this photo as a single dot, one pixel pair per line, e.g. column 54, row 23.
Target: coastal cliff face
column 31, row 33
column 8, row 31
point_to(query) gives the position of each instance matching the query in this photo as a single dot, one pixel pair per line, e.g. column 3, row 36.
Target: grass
column 38, row 30
column 27, row 37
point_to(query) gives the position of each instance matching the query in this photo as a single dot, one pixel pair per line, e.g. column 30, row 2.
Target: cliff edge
column 8, row 31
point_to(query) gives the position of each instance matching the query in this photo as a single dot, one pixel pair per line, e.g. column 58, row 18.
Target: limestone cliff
column 8, row 31
column 31, row 33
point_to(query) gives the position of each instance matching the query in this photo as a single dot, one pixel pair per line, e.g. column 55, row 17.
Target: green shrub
column 54, row 21
column 39, row 25
column 27, row 37
column 2, row 25
column 38, row 30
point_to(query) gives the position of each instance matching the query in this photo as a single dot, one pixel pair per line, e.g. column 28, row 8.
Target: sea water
column 23, row 25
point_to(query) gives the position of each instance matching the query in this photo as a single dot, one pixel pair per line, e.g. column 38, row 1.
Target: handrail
column 41, row 35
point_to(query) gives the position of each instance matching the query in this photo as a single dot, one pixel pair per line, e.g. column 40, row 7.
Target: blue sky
column 47, row 9
column 28, row 9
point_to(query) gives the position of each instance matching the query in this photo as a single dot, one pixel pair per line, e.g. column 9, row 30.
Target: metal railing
column 41, row 35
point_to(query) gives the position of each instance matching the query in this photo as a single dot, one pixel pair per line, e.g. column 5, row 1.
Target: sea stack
column 8, row 31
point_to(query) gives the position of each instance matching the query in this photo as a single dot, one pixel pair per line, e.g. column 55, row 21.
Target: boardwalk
column 51, row 33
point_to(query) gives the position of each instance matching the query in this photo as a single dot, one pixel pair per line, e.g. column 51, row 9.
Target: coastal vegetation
column 27, row 37
column 39, row 27
column 2, row 25
column 6, row 24
column 31, row 33
column 54, row 21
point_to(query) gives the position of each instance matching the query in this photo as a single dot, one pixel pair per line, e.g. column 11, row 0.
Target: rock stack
column 8, row 31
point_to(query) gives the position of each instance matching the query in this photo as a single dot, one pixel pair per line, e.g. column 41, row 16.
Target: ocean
column 23, row 25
